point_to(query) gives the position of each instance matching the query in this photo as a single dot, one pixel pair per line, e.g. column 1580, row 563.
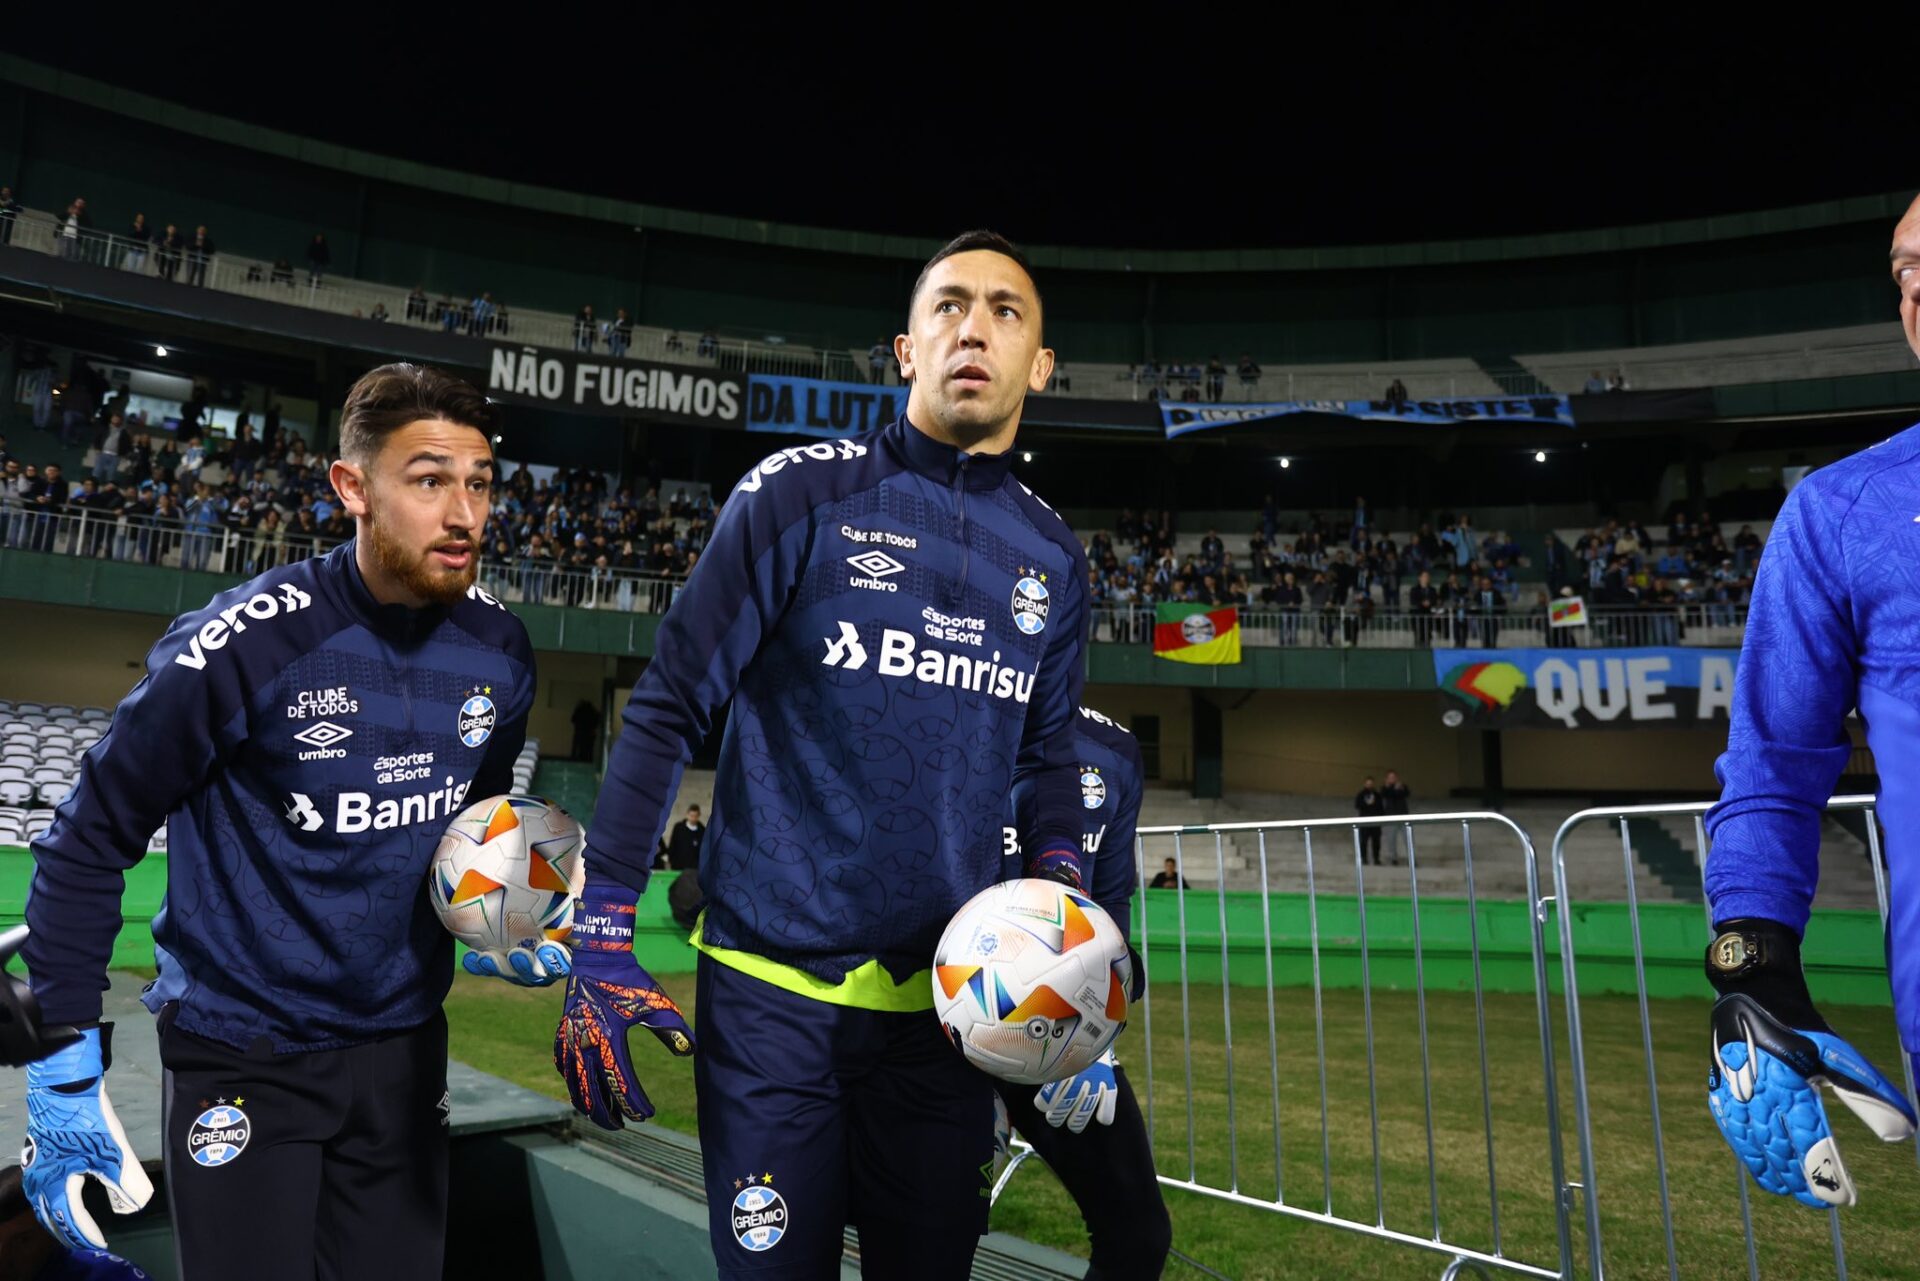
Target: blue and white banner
column 815, row 407
column 1653, row 688
column 1183, row 417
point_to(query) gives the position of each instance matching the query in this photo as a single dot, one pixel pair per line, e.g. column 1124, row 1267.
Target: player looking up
column 301, row 967
column 899, row 623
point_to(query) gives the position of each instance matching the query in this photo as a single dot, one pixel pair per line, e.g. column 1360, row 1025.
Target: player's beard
column 416, row 571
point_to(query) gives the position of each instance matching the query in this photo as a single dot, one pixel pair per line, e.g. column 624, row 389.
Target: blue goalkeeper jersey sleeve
column 1834, row 625
column 305, row 747
column 898, row 624
column 1107, row 761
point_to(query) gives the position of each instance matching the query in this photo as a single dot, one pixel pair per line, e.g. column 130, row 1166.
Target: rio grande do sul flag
column 1196, row 633
column 1567, row 611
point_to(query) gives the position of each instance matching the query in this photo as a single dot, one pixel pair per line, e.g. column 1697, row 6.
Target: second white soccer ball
column 506, row 874
column 1031, row 981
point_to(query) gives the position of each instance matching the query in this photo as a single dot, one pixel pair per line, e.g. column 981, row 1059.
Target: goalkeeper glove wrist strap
column 1761, row 959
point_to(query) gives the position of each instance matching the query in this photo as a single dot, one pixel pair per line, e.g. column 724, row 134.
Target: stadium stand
column 1782, row 357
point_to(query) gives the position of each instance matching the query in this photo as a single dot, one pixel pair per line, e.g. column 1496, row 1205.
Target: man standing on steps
column 1369, row 803
column 1394, row 796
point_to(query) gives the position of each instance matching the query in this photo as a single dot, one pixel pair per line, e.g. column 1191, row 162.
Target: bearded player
column 301, row 967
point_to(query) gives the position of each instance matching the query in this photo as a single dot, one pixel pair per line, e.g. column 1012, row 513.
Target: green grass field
column 509, row 1032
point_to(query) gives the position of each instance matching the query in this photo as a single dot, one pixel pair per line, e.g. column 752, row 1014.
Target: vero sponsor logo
column 840, row 449
column 259, row 607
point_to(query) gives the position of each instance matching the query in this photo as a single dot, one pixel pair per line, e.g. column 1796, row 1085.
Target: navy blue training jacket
column 305, row 747
column 899, row 625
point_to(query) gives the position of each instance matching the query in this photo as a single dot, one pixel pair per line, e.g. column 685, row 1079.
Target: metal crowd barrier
column 1286, row 854
column 1219, row 1119
column 1784, row 1219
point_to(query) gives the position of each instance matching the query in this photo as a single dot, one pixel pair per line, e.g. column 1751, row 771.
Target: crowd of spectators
column 1327, row 581
column 247, row 501
column 1194, row 382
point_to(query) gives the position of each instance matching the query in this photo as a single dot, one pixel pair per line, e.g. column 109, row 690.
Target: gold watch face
column 1729, row 950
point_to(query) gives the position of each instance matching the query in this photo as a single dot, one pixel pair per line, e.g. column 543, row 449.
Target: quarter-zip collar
column 394, row 622
column 923, row 454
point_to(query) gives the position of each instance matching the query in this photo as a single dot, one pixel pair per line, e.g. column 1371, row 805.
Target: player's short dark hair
column 967, row 242
column 388, row 398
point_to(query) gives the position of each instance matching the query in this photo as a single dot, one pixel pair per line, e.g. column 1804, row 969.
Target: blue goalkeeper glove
column 1771, row 1053
column 73, row 1136
column 1088, row 1095
column 607, row 995
column 528, row 966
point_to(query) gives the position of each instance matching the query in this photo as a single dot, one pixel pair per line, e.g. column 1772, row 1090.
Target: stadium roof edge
column 365, row 164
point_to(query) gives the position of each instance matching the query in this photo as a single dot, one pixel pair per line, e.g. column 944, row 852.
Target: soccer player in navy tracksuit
column 1834, row 625
column 305, row 737
column 900, row 624
column 1107, row 1167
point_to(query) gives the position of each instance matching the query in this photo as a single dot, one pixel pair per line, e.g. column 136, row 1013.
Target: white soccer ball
column 506, row 874
column 1031, row 981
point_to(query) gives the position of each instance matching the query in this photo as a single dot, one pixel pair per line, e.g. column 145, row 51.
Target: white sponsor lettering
column 318, row 704
column 953, row 630
column 885, row 537
column 403, row 769
column 1104, row 719
column 359, row 812
column 899, row 656
column 216, row 632
column 840, row 450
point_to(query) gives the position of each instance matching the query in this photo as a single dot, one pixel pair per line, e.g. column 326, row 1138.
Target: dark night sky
column 1187, row 133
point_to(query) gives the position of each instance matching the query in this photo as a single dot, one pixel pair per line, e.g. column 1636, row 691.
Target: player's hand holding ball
column 504, row 882
column 609, row 994
column 1088, row 1095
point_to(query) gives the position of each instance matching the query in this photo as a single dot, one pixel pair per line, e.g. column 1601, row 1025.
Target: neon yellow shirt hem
column 866, row 987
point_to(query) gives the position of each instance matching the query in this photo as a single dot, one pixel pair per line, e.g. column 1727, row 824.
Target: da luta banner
column 1584, row 688
column 1196, row 633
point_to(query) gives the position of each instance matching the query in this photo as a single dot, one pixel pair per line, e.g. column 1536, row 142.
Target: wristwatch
column 1736, row 952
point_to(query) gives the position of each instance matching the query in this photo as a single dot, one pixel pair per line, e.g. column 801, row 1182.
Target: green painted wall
column 1845, row 962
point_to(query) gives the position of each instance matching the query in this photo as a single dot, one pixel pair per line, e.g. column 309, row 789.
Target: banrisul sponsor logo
column 839, row 450
column 234, row 619
column 362, row 812
column 902, row 655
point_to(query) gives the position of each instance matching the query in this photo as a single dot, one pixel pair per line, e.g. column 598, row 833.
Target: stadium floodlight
column 1285, row 462
column 160, row 351
column 1539, row 455
column 1026, row 456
